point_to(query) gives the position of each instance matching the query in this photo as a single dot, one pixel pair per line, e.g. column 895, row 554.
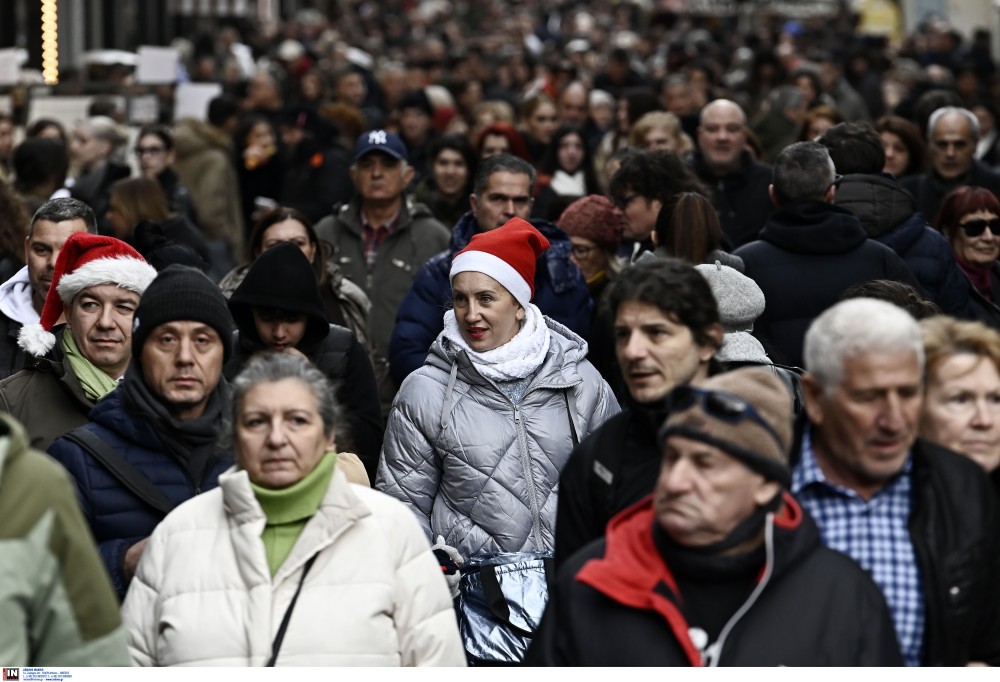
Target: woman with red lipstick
column 477, row 437
column 970, row 219
column 278, row 307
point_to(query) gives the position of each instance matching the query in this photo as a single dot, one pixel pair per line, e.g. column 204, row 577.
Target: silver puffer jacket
column 478, row 469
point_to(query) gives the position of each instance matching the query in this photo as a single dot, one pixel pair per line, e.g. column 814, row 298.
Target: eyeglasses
column 974, row 228
column 149, row 151
column 837, row 178
column 581, row 251
column 623, row 202
column 720, row 405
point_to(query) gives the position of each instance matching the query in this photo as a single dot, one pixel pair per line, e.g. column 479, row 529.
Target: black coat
column 611, row 469
column 12, row 356
column 889, row 215
column 954, row 528
column 808, row 254
column 740, row 198
column 616, row 604
column 931, row 190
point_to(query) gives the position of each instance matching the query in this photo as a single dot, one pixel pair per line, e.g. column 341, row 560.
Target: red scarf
column 979, row 275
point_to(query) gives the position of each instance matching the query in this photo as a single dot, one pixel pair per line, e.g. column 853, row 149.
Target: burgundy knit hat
column 595, row 218
column 507, row 254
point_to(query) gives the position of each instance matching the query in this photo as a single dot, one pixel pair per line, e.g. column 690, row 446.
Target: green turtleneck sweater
column 289, row 509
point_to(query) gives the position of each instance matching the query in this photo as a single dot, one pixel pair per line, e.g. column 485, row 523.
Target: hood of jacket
column 281, row 278
column 813, row 227
column 15, row 298
column 15, row 443
column 633, row 572
column 192, row 136
column 879, row 202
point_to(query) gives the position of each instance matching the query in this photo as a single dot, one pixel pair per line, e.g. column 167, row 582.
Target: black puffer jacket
column 889, row 215
column 808, row 254
column 930, row 190
column 616, row 603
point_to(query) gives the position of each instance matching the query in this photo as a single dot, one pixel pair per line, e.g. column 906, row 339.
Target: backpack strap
column 121, row 469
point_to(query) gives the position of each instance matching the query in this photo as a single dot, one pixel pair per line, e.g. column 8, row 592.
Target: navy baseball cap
column 380, row 141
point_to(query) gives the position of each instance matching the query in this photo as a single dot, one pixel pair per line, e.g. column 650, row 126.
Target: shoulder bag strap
column 121, row 469
column 279, row 638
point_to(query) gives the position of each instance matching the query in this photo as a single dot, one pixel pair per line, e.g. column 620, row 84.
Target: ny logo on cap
column 378, row 137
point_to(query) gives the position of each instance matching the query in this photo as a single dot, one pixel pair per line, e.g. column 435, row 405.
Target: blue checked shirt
column 874, row 533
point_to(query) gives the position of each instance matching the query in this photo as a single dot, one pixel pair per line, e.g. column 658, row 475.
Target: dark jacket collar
column 813, row 227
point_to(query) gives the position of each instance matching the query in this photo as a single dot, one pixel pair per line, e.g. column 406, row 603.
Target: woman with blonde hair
column 96, row 150
column 961, row 408
column 659, row 130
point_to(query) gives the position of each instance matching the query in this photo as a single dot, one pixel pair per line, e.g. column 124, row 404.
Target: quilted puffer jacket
column 203, row 593
column 117, row 518
column 478, row 469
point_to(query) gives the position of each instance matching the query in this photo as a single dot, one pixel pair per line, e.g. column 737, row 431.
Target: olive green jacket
column 57, row 607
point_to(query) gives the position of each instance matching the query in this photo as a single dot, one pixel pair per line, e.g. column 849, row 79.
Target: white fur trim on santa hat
column 34, row 339
column 495, row 267
column 127, row 272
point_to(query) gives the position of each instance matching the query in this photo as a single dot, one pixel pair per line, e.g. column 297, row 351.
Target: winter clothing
column 16, row 309
column 223, row 608
column 417, row 237
column 596, row 218
column 953, row 530
column 181, row 293
column 930, row 190
column 317, row 176
column 615, row 467
column 46, row 398
column 204, row 162
column 58, row 606
column 560, row 293
column 447, row 210
column 618, row 603
column 740, row 302
column 740, row 198
column 345, row 303
column 808, row 254
column 760, row 439
column 282, row 278
column 179, row 199
column 889, row 215
column 479, row 468
column 507, row 254
column 177, row 458
column 986, row 308
column 85, row 260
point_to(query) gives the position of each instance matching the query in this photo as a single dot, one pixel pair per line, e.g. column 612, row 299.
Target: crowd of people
column 707, row 319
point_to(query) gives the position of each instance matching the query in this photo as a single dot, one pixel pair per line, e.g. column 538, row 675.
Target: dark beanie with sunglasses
column 746, row 412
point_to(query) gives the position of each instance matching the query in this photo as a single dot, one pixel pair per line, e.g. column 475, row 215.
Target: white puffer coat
column 203, row 594
column 476, row 468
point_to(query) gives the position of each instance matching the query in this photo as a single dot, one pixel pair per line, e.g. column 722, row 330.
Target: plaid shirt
column 874, row 533
column 375, row 235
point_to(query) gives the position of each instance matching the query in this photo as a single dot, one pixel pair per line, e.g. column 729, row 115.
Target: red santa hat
column 85, row 260
column 507, row 254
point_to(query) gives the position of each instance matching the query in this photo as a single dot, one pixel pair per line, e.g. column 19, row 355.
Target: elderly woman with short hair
column 286, row 563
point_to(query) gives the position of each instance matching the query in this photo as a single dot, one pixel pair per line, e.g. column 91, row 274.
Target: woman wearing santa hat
column 477, row 437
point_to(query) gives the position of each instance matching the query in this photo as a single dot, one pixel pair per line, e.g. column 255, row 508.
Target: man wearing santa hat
column 96, row 284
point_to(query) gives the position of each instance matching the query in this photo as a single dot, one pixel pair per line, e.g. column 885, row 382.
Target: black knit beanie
column 182, row 293
column 281, row 278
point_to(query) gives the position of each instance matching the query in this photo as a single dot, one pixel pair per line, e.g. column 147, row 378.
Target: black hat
column 181, row 293
column 281, row 278
column 416, row 99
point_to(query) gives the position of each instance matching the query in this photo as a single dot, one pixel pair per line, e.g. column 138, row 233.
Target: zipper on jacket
column 522, row 445
column 713, row 653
